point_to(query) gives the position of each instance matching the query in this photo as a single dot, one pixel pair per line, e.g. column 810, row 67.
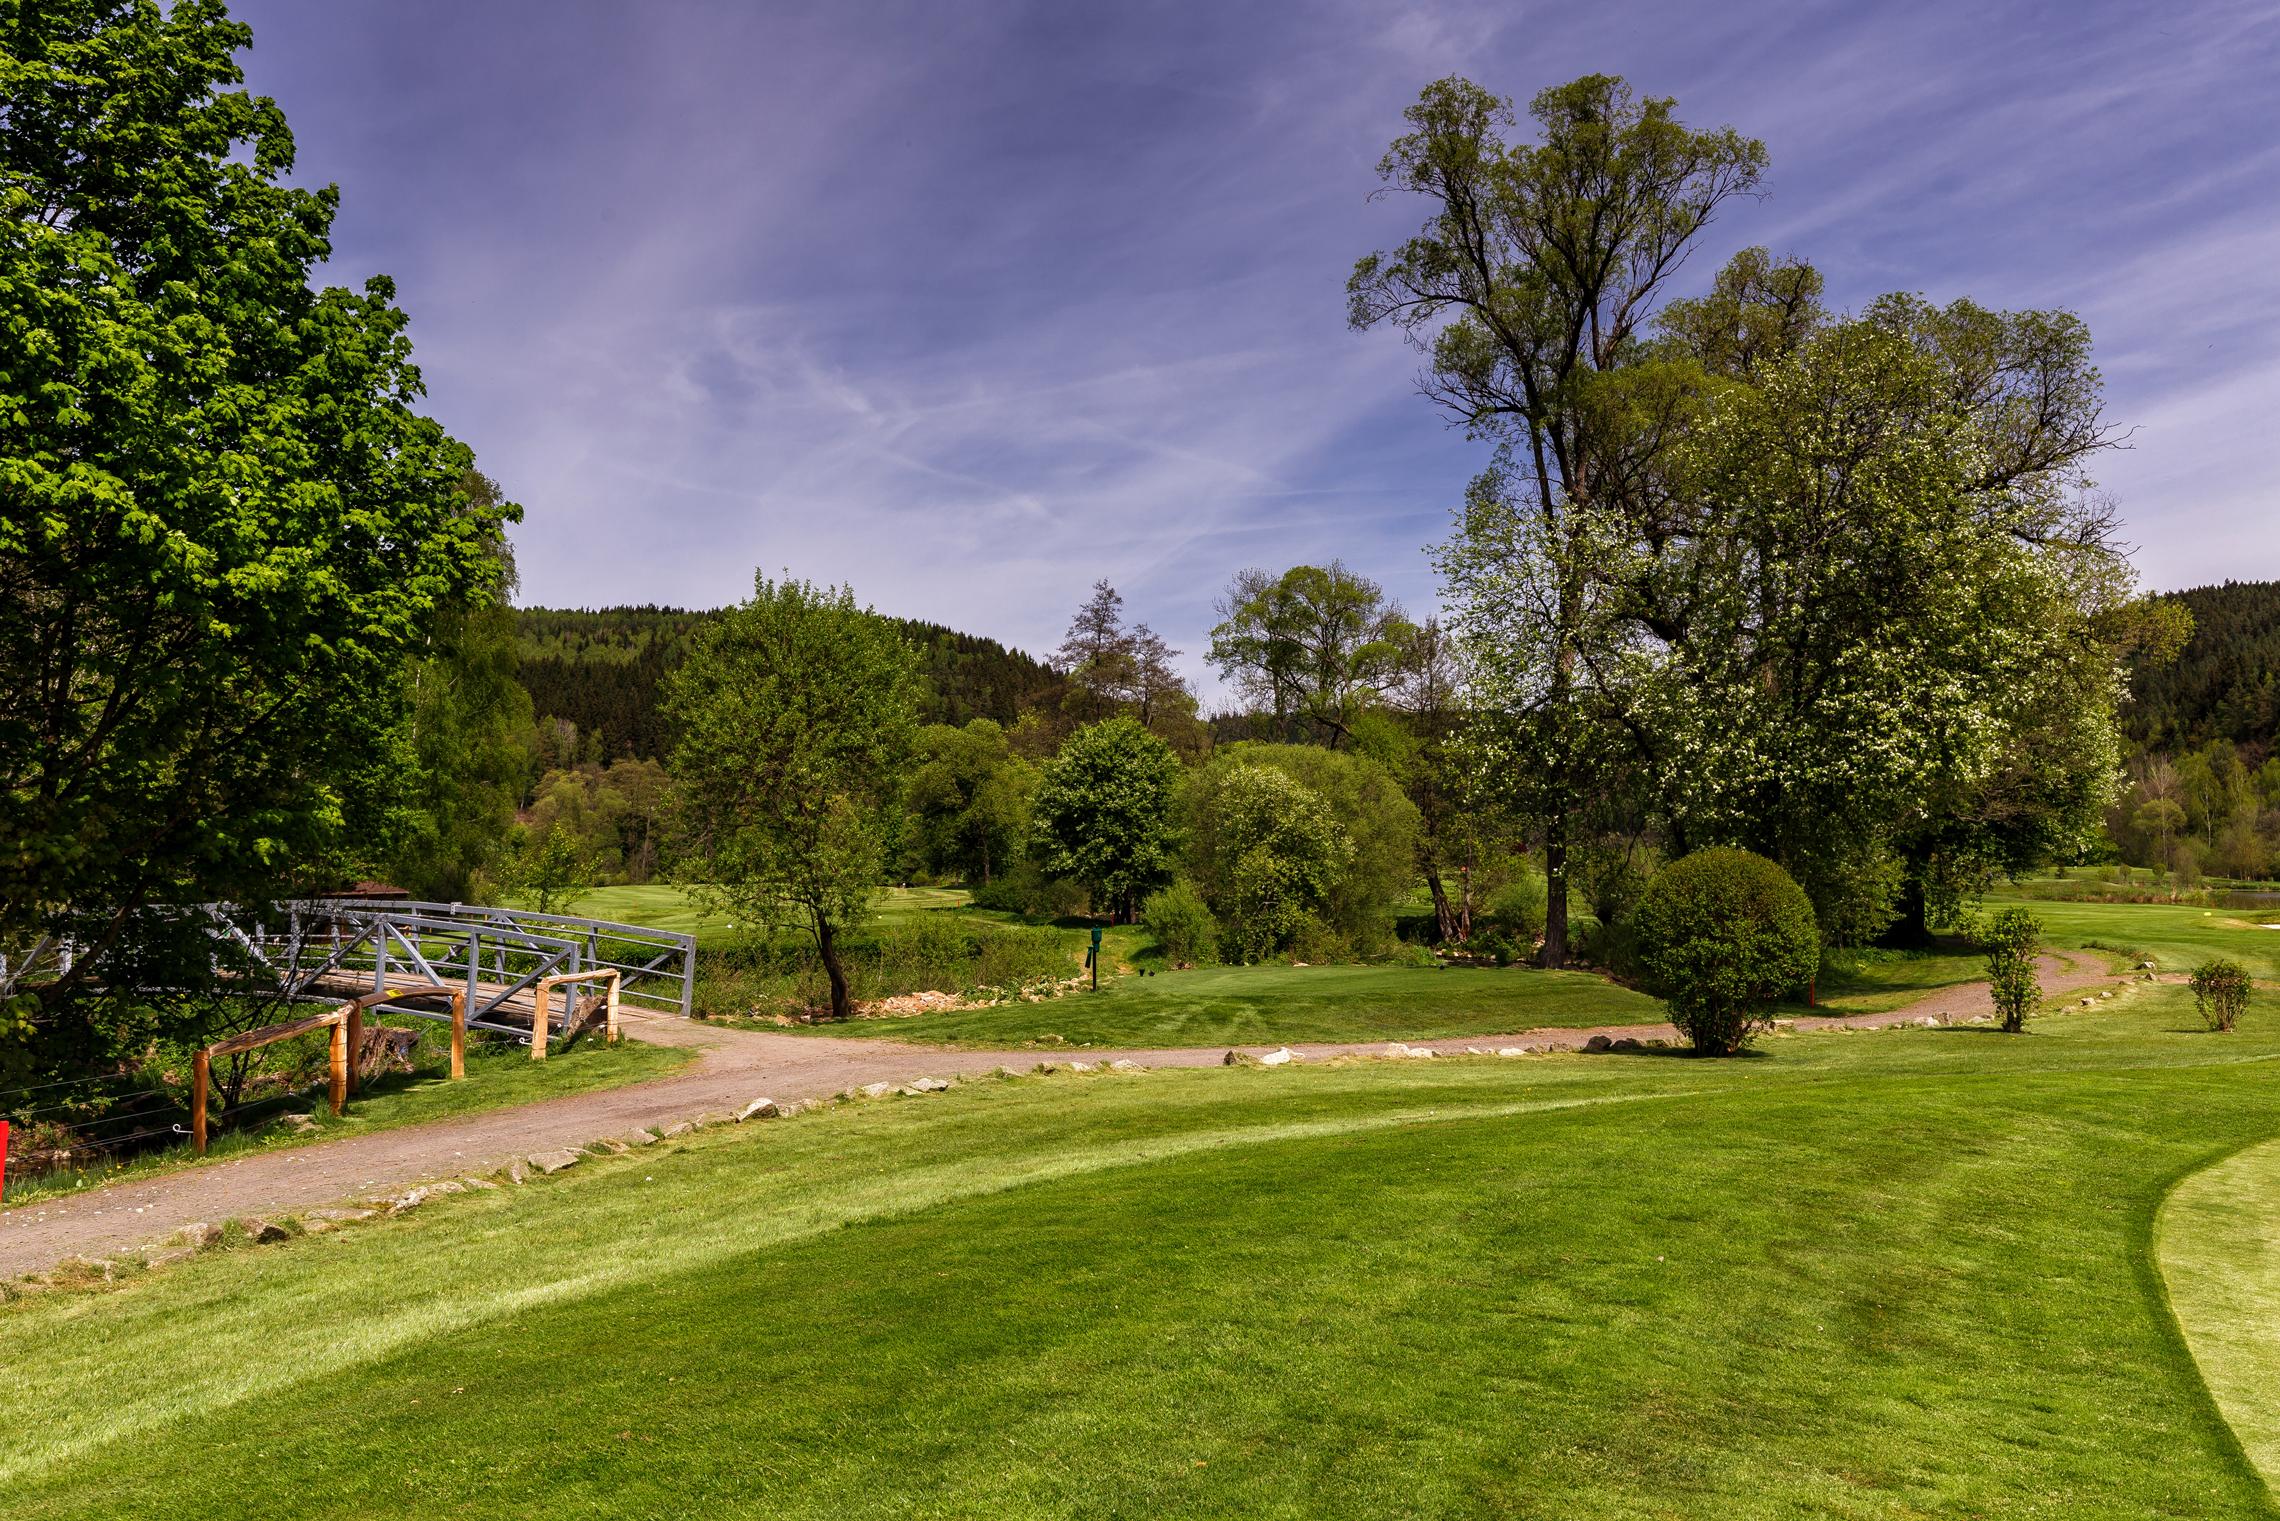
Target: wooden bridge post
column 355, row 1043
column 459, row 1035
column 339, row 1085
column 612, row 1018
column 540, row 994
column 201, row 1067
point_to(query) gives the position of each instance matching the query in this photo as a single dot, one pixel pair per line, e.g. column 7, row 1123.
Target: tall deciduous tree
column 1530, row 287
column 463, row 760
column 1317, row 646
column 1102, row 813
column 969, row 799
column 223, row 528
column 796, row 712
column 1884, row 603
column 1112, row 668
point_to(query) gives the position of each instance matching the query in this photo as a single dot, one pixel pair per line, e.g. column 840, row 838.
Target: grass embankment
column 2220, row 1253
column 1271, row 1004
column 1892, row 1275
column 498, row 1075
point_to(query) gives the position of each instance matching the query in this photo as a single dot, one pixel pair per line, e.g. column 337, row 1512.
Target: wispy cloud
column 971, row 305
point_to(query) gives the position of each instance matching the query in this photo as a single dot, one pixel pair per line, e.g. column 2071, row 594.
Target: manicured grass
column 2178, row 936
column 2220, row 1253
column 1878, row 981
column 1895, row 1275
column 667, row 906
column 1253, row 1005
column 498, row 1075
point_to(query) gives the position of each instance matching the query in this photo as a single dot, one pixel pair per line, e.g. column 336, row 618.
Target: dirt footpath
column 732, row 1068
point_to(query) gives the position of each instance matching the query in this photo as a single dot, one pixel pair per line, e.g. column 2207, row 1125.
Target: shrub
column 2220, row 992
column 1516, row 910
column 2010, row 939
column 1182, row 924
column 1024, row 888
column 1721, row 935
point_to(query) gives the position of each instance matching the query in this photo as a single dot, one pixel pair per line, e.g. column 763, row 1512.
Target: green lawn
column 1895, row 1276
column 2220, row 1255
column 1265, row 1005
column 665, row 906
column 498, row 1074
column 2178, row 936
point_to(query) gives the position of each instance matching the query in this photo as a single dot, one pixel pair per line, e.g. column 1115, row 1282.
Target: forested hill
column 600, row 669
column 2226, row 684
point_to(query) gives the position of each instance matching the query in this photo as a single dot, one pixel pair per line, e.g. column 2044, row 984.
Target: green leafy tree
column 1266, row 853
column 465, row 760
column 1377, row 870
column 969, row 800
column 1530, row 286
column 224, row 529
column 796, row 714
column 1316, row 646
column 1103, row 813
column 1722, row 935
column 1880, row 658
column 553, row 868
column 2011, row 939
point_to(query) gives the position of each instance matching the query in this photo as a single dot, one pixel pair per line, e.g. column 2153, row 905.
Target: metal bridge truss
column 497, row 956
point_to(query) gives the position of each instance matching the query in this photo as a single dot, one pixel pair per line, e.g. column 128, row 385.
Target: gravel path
column 732, row 1068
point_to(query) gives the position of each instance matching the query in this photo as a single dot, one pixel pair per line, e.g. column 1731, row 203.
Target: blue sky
column 970, row 304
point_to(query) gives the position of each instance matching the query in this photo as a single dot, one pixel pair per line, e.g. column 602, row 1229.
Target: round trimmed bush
column 1721, row 936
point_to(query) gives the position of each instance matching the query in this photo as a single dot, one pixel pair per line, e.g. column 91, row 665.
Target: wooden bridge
column 503, row 962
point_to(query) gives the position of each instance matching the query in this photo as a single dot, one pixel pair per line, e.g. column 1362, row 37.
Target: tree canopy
column 796, row 713
column 224, row 527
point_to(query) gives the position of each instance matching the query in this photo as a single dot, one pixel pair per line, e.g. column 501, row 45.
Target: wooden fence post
column 459, row 1035
column 355, row 1042
column 613, row 1009
column 201, row 1067
column 339, row 1086
column 538, row 1021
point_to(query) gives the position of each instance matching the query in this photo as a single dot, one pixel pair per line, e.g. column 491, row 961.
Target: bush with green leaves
column 1515, row 911
column 1102, row 813
column 1024, row 888
column 1722, row 935
column 1265, row 852
column 2010, row 939
column 1181, row 921
column 2220, row 992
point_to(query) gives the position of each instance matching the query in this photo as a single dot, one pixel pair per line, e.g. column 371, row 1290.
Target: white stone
column 1281, row 1058
column 758, row 1109
column 928, row 1085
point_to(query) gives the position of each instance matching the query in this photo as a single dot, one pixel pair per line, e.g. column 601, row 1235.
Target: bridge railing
column 498, row 958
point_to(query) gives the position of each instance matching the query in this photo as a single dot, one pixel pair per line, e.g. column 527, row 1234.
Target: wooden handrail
column 347, row 1025
column 542, row 1011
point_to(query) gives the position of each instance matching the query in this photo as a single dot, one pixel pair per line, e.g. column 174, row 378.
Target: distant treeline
column 600, row 669
column 2226, row 683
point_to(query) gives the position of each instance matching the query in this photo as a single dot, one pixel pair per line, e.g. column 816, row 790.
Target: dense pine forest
column 595, row 672
column 2226, row 683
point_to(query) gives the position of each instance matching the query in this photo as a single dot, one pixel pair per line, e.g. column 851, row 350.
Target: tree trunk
column 1444, row 916
column 1555, row 889
column 1913, row 928
column 827, row 948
